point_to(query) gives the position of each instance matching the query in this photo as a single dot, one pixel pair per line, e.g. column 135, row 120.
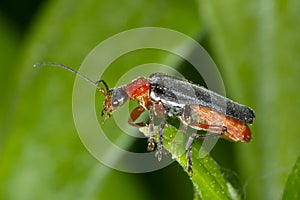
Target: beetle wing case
column 167, row 88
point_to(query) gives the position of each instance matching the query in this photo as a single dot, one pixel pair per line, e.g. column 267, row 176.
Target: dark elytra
column 172, row 89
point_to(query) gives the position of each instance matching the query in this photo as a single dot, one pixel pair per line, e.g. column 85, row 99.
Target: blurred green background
column 256, row 45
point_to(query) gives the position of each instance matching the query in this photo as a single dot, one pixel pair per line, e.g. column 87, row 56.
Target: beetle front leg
column 151, row 144
column 159, row 111
column 136, row 113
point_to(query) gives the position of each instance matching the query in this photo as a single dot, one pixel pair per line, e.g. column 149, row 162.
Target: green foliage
column 208, row 180
column 292, row 187
column 256, row 45
column 42, row 157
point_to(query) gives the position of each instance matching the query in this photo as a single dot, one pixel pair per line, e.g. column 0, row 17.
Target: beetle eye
column 115, row 103
column 119, row 96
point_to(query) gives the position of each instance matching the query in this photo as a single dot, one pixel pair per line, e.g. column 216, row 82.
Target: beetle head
column 113, row 99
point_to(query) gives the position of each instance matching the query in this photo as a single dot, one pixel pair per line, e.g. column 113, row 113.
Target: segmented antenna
column 96, row 84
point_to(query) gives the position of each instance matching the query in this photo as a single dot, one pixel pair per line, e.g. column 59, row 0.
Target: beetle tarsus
column 151, row 144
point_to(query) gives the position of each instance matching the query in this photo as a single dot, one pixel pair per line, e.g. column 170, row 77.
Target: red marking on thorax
column 236, row 130
column 137, row 87
column 139, row 90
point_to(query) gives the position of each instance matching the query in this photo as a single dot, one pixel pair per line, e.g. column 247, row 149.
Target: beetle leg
column 134, row 115
column 151, row 144
column 216, row 130
column 200, row 118
column 189, row 148
column 189, row 154
column 211, row 128
column 159, row 150
column 158, row 110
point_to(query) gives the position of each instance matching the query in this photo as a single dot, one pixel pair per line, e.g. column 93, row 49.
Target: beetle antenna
column 104, row 83
column 96, row 84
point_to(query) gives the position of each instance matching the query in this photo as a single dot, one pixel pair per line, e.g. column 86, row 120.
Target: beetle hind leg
column 189, row 154
column 189, row 148
column 159, row 150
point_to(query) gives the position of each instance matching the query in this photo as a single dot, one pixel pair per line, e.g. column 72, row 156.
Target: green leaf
column 292, row 186
column 9, row 42
column 43, row 158
column 256, row 45
column 208, row 180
